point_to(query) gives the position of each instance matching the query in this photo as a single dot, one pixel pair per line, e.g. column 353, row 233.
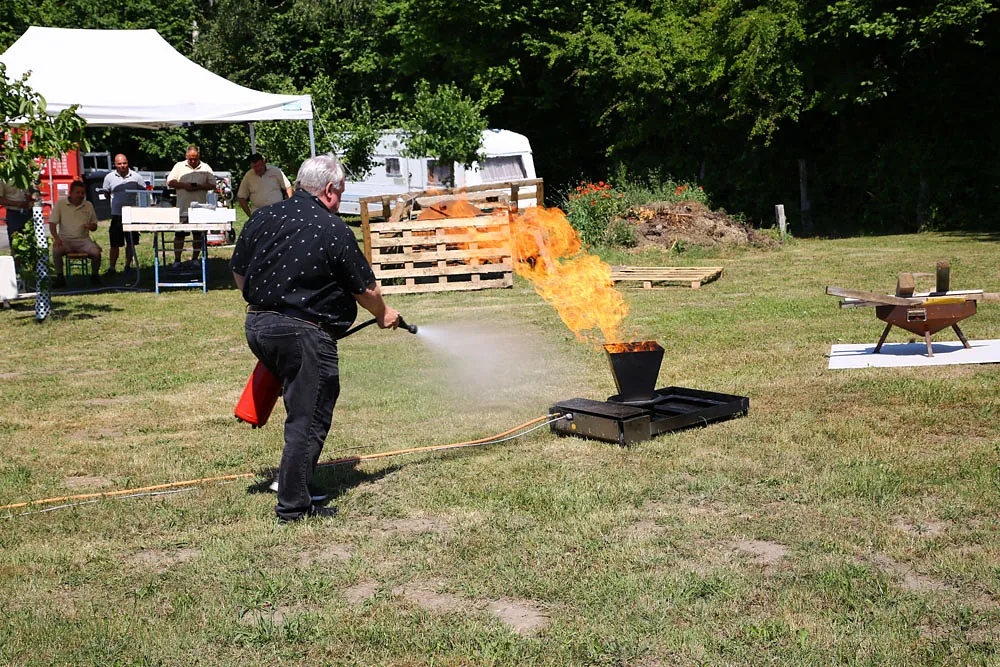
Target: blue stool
column 79, row 260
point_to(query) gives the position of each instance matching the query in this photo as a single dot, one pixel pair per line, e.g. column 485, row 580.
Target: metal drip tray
column 627, row 423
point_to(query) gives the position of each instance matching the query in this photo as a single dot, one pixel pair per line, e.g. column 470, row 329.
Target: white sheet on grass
column 914, row 354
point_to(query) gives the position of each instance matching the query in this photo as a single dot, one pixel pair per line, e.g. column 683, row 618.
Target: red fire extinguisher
column 259, row 397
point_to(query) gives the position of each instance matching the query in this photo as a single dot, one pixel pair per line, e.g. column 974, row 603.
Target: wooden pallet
column 450, row 254
column 694, row 276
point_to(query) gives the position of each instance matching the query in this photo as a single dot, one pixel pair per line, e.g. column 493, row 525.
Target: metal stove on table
column 639, row 412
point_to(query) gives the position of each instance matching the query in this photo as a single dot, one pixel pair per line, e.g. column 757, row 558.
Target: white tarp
column 135, row 78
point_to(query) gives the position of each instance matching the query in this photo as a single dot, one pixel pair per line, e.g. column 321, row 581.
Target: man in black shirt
column 302, row 273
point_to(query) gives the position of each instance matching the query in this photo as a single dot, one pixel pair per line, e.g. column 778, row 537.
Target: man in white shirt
column 71, row 221
column 193, row 180
column 117, row 184
column 263, row 185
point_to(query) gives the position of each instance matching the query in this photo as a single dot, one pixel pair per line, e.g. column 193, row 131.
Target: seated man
column 71, row 222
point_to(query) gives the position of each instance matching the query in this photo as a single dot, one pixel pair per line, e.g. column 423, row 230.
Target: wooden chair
column 79, row 260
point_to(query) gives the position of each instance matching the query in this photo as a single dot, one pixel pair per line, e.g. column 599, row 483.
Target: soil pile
column 684, row 223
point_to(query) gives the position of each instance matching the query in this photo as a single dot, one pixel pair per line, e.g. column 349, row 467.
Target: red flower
column 592, row 203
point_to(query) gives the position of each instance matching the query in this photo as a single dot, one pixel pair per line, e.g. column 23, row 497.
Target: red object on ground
column 259, row 397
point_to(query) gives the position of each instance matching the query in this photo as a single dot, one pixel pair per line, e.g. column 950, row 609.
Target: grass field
column 850, row 519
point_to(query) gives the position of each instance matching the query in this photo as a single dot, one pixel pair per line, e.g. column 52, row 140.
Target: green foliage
column 445, row 124
column 886, row 103
column 30, row 135
column 591, row 208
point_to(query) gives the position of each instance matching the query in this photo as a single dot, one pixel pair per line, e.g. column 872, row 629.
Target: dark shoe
column 315, row 512
column 110, row 273
column 59, row 280
column 128, row 271
column 95, row 281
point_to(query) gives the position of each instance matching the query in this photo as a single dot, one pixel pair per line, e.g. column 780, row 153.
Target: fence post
column 779, row 214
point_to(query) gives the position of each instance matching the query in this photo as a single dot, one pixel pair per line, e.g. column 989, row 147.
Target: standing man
column 18, row 207
column 193, row 180
column 264, row 184
column 117, row 184
column 302, row 274
column 71, row 222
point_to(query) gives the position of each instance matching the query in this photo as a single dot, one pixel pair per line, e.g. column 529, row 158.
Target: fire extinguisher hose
column 510, row 434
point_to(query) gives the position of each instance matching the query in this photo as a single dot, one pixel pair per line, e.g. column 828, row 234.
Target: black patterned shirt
column 295, row 254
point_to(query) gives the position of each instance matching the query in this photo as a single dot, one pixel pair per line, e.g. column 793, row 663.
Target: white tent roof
column 141, row 81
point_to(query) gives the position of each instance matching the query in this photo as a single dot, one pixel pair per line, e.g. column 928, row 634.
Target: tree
column 446, row 125
column 29, row 136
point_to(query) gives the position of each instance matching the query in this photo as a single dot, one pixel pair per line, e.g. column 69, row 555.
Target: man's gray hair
column 317, row 171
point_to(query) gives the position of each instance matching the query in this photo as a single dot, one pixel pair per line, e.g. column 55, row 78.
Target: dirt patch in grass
column 360, row 593
column 928, row 528
column 678, row 224
column 162, row 560
column 10, row 376
column 327, row 553
column 909, row 579
column 763, row 552
column 86, row 481
column 646, row 529
column 522, row 616
column 427, row 595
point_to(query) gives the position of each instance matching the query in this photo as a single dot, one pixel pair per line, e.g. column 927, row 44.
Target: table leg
column 885, row 334
column 204, row 262
column 156, row 261
column 961, row 336
column 130, row 246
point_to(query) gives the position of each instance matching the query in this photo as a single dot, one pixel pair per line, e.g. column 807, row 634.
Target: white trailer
column 507, row 158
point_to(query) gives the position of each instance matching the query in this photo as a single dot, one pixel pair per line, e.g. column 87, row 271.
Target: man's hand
column 388, row 319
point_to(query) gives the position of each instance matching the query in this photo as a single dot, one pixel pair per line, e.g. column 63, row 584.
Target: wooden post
column 366, row 231
column 514, row 199
column 779, row 214
column 386, row 208
column 943, row 277
column 540, row 194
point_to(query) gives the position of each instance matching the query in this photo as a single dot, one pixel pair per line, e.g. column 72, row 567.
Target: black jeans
column 304, row 357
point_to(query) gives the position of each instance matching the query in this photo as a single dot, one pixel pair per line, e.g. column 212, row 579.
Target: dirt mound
column 679, row 224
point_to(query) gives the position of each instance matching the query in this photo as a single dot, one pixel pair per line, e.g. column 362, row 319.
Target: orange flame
column 548, row 252
column 641, row 346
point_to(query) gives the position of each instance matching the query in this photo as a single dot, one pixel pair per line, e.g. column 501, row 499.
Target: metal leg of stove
column 885, row 334
column 961, row 336
column 927, row 339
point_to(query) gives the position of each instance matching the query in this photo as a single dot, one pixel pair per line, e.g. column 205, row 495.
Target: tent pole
column 253, row 140
column 312, row 139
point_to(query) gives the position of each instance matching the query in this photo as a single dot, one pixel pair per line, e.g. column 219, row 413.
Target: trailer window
column 392, row 167
column 506, row 168
column 440, row 174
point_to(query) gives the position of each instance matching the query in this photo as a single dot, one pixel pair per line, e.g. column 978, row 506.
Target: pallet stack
column 448, row 254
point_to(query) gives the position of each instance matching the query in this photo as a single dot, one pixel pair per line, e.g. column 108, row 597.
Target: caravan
column 507, row 158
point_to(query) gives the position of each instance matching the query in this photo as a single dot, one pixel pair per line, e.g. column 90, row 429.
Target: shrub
column 592, row 207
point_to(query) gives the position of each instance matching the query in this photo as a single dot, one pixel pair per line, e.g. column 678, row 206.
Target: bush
column 592, row 207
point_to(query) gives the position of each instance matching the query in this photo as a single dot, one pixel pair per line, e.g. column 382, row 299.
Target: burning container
column 639, row 411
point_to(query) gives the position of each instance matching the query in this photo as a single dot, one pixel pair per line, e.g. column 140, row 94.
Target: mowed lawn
column 851, row 518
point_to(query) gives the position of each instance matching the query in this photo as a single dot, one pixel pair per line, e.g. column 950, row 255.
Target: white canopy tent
column 144, row 82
